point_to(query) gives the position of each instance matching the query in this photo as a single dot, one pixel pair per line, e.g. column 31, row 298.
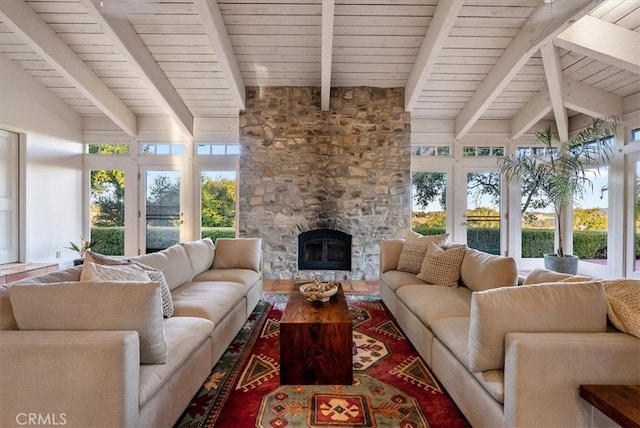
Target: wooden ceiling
column 516, row 60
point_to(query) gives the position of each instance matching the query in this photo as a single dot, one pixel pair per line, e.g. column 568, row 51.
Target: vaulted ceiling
column 516, row 60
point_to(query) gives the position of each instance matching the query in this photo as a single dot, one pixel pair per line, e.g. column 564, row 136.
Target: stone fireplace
column 302, row 169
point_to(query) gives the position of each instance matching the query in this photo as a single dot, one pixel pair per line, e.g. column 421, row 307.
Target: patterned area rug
column 392, row 386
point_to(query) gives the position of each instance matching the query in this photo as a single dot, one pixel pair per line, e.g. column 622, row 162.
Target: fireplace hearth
column 320, row 249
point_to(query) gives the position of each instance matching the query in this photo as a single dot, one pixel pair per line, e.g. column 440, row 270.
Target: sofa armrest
column 69, row 378
column 543, row 372
column 390, row 250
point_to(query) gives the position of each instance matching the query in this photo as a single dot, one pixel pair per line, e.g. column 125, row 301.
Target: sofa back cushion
column 114, row 306
column 238, row 253
column 7, row 320
column 551, row 307
column 541, row 276
column 173, row 262
column 65, row 275
column 200, row 254
column 482, row 271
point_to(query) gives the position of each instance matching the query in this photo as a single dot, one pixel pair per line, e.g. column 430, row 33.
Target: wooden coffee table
column 316, row 343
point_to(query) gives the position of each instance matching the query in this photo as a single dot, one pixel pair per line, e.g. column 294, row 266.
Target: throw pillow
column 623, row 304
column 95, row 306
column 542, row 308
column 153, row 274
column 238, row 253
column 442, row 267
column 415, row 248
column 95, row 272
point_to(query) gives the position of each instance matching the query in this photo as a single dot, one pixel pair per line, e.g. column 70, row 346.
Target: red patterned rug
column 392, row 387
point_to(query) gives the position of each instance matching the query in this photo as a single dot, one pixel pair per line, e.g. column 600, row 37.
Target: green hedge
column 591, row 244
column 112, row 238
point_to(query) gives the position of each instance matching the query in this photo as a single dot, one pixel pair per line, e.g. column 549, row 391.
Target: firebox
column 324, row 249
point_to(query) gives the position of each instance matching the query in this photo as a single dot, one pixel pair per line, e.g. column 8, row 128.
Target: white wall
column 51, row 164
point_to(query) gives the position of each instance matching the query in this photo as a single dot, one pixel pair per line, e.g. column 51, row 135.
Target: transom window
column 108, row 148
column 483, row 151
column 217, row 149
column 428, row 151
column 162, row 149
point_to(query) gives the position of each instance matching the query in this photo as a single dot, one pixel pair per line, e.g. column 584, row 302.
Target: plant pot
column 78, row 262
column 567, row 264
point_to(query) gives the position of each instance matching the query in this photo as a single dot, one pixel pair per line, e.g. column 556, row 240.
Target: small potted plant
column 83, row 247
column 562, row 175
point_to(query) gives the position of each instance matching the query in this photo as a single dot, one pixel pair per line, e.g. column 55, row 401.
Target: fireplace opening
column 324, row 249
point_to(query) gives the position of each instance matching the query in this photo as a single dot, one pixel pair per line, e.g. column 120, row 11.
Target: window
column 161, row 149
column 591, row 220
column 429, row 211
column 107, row 149
column 635, row 134
column 204, row 149
column 428, row 151
column 107, row 210
column 483, row 211
column 218, row 204
column 482, row 151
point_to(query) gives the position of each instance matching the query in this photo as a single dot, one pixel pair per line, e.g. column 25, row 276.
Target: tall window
column 429, row 211
column 218, row 204
column 483, row 211
column 107, row 210
column 107, row 200
column 590, row 220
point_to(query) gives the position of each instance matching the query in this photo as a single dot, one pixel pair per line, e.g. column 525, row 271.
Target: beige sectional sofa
column 100, row 353
column 509, row 355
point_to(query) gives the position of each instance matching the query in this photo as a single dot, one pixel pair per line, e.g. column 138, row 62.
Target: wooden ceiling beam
column 127, row 41
column 25, row 22
column 604, row 42
column 217, row 33
column 328, row 10
column 590, row 100
column 553, row 73
column 444, row 17
column 545, row 23
column 530, row 114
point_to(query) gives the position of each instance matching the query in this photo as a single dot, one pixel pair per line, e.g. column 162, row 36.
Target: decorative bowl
column 319, row 292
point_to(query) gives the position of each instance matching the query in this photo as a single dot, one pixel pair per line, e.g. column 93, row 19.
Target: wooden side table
column 316, row 342
column 621, row 403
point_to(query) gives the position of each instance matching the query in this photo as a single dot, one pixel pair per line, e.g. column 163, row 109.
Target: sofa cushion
column 482, row 271
column 184, row 335
column 173, row 262
column 415, row 248
column 396, row 279
column 238, row 253
column 208, row 300
column 541, row 276
column 154, row 275
column 95, row 306
column 200, row 254
column 551, row 307
column 65, row 275
column 442, row 267
column 7, row 320
column 246, row 277
column 454, row 334
column 432, row 302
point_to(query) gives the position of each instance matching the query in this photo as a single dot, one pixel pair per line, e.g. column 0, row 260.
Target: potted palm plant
column 84, row 246
column 561, row 175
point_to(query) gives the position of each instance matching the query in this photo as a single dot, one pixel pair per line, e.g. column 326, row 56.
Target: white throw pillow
column 117, row 306
column 96, row 272
column 153, row 274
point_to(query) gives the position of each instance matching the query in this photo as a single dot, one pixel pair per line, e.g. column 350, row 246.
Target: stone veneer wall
column 302, row 168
